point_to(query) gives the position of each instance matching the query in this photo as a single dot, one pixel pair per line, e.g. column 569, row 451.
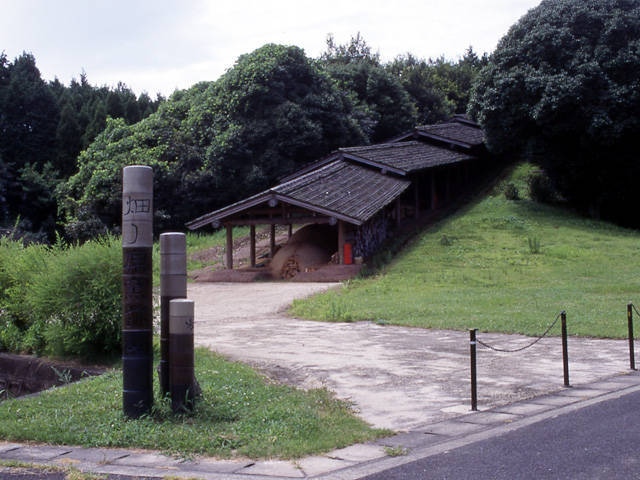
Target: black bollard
column 137, row 294
column 173, row 285
column 181, row 355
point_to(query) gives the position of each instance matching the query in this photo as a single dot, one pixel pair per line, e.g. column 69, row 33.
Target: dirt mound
column 309, row 248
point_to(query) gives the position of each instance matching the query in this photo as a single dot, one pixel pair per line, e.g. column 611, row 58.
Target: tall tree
column 383, row 106
column 273, row 111
column 28, row 120
column 563, row 89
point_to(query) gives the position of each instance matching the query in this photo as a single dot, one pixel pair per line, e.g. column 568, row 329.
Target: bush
column 511, row 192
column 541, row 188
column 66, row 301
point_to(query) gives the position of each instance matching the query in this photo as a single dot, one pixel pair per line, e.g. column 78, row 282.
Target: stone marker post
column 173, row 284
column 137, row 295
column 182, row 374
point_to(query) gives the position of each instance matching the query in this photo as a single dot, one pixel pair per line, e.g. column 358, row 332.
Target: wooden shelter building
column 364, row 191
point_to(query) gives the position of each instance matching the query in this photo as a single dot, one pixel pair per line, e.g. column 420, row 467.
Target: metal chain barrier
column 503, row 350
column 473, row 340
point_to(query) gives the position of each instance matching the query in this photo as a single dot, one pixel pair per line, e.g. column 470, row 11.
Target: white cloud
column 160, row 45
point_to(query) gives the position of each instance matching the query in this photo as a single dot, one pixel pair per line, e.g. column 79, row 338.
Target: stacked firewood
column 290, row 268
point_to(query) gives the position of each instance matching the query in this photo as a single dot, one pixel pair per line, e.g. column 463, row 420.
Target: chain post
column 474, row 383
column 632, row 355
column 565, row 351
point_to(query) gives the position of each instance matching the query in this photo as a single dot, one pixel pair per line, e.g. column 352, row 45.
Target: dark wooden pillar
column 272, row 243
column 340, row 242
column 252, row 245
column 229, row 247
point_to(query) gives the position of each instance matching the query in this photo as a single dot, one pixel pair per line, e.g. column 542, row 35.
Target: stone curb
column 347, row 463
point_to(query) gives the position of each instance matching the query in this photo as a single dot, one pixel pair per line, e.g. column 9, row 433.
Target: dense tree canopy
column 43, row 128
column 439, row 88
column 383, row 106
column 563, row 89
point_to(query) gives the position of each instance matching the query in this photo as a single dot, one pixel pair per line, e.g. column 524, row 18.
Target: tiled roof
column 343, row 190
column 404, row 157
column 351, row 190
column 460, row 132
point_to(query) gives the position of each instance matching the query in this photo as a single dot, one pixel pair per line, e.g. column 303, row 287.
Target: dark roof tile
column 455, row 131
column 405, row 157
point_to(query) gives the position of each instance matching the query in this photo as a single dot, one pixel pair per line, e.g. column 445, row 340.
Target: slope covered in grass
column 500, row 265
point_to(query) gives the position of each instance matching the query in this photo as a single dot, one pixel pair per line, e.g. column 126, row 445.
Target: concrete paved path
column 397, row 378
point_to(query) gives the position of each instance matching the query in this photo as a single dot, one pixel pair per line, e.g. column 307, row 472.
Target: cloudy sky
column 156, row 46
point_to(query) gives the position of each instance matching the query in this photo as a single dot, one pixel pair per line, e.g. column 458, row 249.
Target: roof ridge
column 380, row 146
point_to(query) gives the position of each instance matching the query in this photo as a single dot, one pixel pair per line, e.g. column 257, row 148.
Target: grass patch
column 499, row 265
column 239, row 413
column 199, row 242
column 31, row 470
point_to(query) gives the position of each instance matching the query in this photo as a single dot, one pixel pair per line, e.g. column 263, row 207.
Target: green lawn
column 239, row 413
column 500, row 265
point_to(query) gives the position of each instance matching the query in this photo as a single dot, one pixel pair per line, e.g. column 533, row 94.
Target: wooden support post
column 272, row 242
column 416, row 198
column 340, row 242
column 252, row 246
column 229, row 247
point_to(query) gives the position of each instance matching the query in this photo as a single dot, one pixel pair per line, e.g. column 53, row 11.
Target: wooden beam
column 229, row 246
column 277, row 221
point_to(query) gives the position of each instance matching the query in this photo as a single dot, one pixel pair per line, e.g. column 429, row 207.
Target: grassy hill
column 500, row 265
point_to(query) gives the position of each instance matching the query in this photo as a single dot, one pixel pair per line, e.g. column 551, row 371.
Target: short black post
column 632, row 354
column 565, row 350
column 173, row 284
column 474, row 381
column 181, row 355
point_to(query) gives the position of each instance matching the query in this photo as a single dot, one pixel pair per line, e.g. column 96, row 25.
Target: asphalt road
column 597, row 442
